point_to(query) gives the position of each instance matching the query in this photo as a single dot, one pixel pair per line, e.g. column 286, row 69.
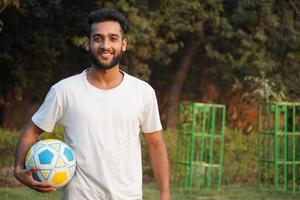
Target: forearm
column 27, row 138
column 160, row 166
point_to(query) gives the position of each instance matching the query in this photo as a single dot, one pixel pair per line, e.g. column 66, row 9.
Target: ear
column 124, row 44
column 86, row 44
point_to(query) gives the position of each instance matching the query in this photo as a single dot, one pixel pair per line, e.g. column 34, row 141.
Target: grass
column 25, row 193
column 243, row 192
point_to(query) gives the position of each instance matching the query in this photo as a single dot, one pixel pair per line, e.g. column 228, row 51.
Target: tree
column 33, row 52
column 3, row 5
column 252, row 43
column 266, row 49
column 187, row 23
column 238, row 45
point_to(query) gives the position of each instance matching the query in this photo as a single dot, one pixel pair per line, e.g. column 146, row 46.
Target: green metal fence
column 279, row 146
column 200, row 145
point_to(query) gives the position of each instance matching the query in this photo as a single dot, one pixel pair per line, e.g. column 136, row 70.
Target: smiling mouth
column 105, row 52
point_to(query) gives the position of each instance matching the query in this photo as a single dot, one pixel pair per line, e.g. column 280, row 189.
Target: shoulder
column 68, row 83
column 139, row 84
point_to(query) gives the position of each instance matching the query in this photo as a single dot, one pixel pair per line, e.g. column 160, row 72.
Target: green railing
column 200, row 145
column 279, row 146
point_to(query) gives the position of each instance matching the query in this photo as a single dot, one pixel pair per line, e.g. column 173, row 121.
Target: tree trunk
column 179, row 79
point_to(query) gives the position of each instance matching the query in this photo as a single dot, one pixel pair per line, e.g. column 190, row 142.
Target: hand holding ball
column 55, row 160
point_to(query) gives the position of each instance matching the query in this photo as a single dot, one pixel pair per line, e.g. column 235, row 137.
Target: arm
column 159, row 162
column 27, row 138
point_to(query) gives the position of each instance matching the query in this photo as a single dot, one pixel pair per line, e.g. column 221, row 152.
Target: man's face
column 106, row 44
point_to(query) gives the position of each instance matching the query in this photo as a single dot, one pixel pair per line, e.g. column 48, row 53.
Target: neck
column 105, row 78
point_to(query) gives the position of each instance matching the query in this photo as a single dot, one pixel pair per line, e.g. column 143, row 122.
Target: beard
column 101, row 65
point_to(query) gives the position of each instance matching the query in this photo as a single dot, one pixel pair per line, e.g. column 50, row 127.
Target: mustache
column 101, row 50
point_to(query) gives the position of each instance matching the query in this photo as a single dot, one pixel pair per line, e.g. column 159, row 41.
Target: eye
column 96, row 39
column 114, row 39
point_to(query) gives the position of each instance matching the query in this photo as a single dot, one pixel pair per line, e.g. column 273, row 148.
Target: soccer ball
column 55, row 160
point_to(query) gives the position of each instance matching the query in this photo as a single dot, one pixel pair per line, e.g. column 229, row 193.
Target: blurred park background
column 236, row 53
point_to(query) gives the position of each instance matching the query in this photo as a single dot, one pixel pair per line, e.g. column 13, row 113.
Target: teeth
column 105, row 52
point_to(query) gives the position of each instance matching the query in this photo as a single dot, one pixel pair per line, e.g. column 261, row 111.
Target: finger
column 42, row 189
column 25, row 176
column 31, row 170
column 42, row 184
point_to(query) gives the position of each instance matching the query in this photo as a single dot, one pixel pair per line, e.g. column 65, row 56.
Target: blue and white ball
column 55, row 160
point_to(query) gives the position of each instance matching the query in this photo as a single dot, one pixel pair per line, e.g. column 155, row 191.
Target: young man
column 102, row 111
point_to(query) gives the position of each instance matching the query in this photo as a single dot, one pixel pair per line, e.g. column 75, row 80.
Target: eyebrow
column 110, row 34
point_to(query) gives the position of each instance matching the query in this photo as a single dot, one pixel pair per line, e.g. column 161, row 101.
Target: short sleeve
column 151, row 120
column 49, row 113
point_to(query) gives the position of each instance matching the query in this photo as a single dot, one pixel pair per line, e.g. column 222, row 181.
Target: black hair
column 105, row 14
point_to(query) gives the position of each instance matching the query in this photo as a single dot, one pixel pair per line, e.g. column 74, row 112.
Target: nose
column 104, row 44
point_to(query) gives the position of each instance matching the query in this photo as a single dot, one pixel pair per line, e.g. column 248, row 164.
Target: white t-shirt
column 102, row 127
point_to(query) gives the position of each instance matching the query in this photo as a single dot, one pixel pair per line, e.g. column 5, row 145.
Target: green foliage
column 257, row 44
column 8, row 142
column 240, row 157
column 35, row 44
column 266, row 35
column 239, row 163
column 57, row 133
column 170, row 142
column 4, row 4
column 265, row 90
column 237, row 39
column 9, row 139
